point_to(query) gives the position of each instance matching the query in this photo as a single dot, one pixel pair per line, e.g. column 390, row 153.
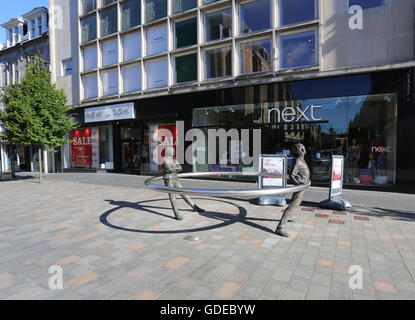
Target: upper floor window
column 219, row 24
column 218, row 62
column 108, row 21
column 298, row 49
column 33, row 27
column 186, row 33
column 256, row 56
column 67, row 67
column 39, row 25
column 366, row 4
column 16, row 34
column 155, row 9
column 297, row 11
column 157, row 39
column 250, row 13
column 130, row 14
column 88, row 6
column 89, row 28
column 183, row 5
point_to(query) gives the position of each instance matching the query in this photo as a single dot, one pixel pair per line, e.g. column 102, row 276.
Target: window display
column 360, row 128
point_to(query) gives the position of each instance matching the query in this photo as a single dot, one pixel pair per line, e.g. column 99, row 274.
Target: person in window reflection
column 300, row 176
column 353, row 156
column 170, row 168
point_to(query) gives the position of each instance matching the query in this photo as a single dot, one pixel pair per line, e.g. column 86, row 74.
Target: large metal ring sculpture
column 225, row 193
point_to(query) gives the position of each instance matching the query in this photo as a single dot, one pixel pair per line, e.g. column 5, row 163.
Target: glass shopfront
column 91, row 148
column 361, row 128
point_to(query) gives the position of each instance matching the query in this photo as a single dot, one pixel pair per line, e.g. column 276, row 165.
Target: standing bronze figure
column 301, row 176
column 170, row 168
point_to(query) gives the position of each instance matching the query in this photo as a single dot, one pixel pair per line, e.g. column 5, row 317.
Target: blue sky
column 15, row 8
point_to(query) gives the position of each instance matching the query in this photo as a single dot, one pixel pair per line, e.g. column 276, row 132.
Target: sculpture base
column 338, row 204
column 272, row 201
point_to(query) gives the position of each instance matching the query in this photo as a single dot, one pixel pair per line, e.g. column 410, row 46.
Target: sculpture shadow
column 224, row 219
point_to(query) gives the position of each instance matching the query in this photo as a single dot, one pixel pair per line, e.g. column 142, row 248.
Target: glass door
column 131, row 149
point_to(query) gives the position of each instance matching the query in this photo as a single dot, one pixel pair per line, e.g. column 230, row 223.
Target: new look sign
column 121, row 111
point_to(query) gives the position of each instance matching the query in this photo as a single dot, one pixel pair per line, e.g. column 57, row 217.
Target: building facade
column 336, row 75
column 27, row 36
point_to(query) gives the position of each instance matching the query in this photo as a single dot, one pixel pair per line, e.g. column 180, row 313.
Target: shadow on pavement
column 387, row 213
column 224, row 219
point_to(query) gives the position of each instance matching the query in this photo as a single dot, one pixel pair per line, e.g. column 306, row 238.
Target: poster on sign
column 161, row 137
column 275, row 164
column 337, row 175
column 84, row 148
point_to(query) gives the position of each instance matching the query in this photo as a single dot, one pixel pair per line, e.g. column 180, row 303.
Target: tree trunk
column 12, row 169
column 40, row 167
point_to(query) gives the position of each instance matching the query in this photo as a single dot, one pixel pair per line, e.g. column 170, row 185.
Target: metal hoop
column 225, row 193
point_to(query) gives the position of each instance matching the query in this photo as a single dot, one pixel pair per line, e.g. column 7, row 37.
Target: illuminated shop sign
column 109, row 113
column 294, row 114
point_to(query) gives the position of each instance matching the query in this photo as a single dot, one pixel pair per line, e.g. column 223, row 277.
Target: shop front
column 367, row 118
column 361, row 128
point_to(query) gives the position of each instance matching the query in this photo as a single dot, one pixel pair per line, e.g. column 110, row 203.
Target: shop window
column 131, row 76
column 110, row 82
column 183, row 5
column 90, row 85
column 366, row 4
column 131, row 46
column 109, row 52
column 186, row 33
column 88, row 6
column 219, row 25
column 219, row 62
column 256, row 56
column 186, row 68
column 249, row 13
column 130, row 14
column 155, row 9
column 90, row 57
column 371, row 156
column 108, row 21
column 88, row 28
column 297, row 11
column 157, row 39
column 156, row 73
column 298, row 49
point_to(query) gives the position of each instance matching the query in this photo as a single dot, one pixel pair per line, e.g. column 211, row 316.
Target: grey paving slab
column 114, row 239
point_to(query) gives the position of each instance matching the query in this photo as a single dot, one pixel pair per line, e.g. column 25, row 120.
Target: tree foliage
column 35, row 111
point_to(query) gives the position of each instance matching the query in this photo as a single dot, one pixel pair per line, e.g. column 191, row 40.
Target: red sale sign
column 83, row 144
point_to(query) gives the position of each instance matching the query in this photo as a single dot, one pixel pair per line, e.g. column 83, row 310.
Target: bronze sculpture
column 170, row 168
column 300, row 176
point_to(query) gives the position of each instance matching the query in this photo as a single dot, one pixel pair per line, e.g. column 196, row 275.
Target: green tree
column 35, row 111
